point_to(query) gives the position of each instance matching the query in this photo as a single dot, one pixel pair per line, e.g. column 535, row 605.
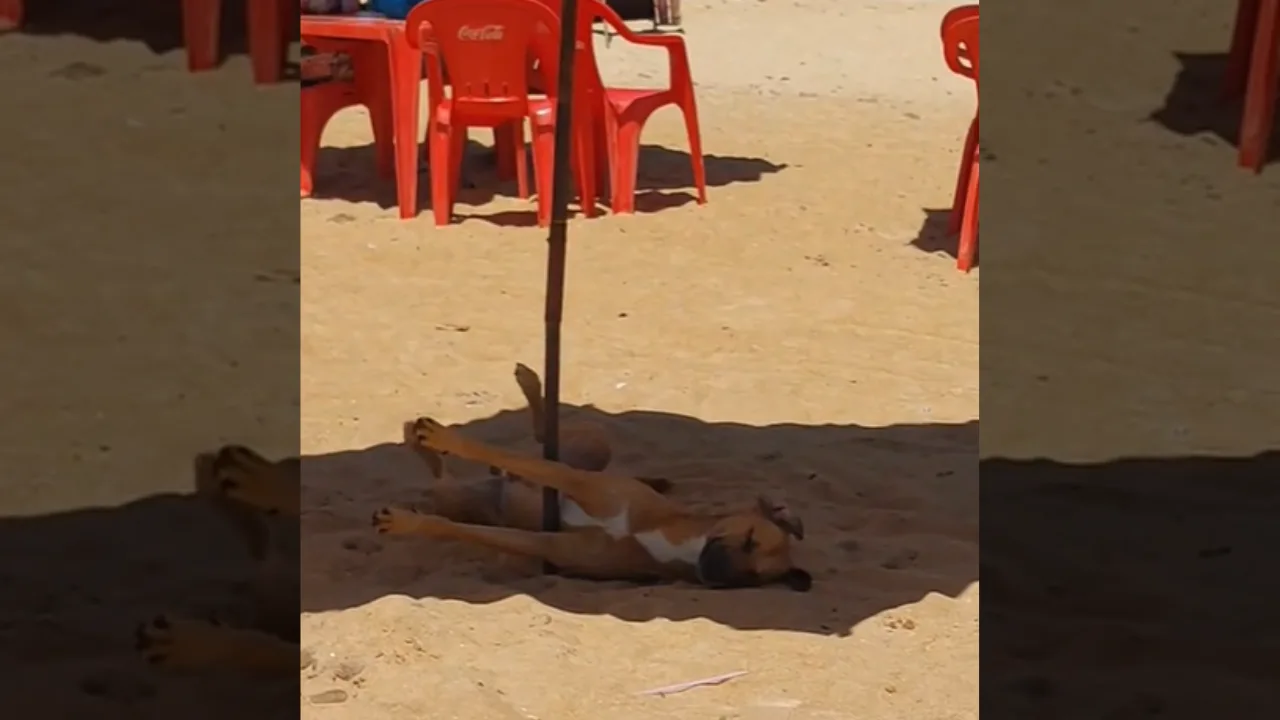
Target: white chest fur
column 664, row 551
column 655, row 543
column 571, row 515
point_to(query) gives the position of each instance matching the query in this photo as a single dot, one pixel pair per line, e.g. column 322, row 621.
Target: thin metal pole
column 557, row 240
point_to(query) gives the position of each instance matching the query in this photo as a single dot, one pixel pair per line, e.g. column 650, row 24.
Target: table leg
column 406, row 77
column 1260, row 96
column 201, row 30
column 1241, row 48
column 266, row 28
column 11, row 12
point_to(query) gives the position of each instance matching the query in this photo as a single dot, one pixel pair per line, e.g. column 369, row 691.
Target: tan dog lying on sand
column 617, row 527
column 505, row 499
column 260, row 499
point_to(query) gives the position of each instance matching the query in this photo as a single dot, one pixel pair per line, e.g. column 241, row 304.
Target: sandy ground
column 787, row 338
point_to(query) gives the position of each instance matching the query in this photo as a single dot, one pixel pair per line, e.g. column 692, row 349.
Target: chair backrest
column 586, row 72
column 486, row 46
column 960, row 41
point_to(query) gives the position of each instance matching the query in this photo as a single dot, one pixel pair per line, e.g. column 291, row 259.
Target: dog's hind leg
column 599, row 494
column 580, row 553
column 552, row 547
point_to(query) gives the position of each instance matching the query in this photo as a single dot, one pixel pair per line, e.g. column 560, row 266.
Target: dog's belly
column 664, row 551
column 572, row 515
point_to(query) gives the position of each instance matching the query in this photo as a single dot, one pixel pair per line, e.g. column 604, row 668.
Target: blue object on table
column 395, row 9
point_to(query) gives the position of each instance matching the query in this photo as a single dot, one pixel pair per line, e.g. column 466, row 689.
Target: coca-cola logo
column 485, row 33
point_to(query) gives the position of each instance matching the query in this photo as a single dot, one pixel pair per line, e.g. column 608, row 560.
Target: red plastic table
column 405, row 65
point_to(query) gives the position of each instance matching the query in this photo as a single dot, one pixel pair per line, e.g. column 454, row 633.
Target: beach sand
column 791, row 337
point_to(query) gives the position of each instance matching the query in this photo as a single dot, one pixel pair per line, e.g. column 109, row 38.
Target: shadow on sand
column 860, row 512
column 936, row 238
column 1131, row 588
column 76, row 582
column 665, row 181
column 1195, row 103
column 1091, row 570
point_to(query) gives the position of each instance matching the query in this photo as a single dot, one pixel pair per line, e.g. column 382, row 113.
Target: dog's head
column 753, row 548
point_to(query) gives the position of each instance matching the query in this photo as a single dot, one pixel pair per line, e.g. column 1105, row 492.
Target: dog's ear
column 780, row 515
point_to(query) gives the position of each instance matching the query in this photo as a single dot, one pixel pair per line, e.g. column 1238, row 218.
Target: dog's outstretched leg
column 197, row 645
column 541, row 545
column 580, row 553
column 600, row 494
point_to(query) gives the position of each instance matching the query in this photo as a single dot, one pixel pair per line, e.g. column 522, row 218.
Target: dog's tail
column 531, row 385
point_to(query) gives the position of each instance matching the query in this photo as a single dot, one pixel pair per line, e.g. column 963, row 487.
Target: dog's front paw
column 398, row 521
column 434, row 460
column 178, row 643
column 242, row 475
column 432, row 435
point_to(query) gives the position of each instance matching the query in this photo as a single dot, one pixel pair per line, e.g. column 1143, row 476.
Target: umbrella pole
column 557, row 239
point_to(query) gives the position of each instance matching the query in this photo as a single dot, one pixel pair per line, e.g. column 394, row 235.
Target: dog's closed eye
column 750, row 544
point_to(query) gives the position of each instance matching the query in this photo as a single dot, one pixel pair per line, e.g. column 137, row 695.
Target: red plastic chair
column 268, row 21
column 388, row 75
column 960, row 50
column 1253, row 66
column 486, row 46
column 619, row 114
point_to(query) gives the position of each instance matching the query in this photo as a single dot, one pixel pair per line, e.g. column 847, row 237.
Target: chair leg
column 200, row 33
column 544, row 162
column 604, row 172
column 962, row 181
column 626, row 157
column 1260, row 97
column 512, row 160
column 969, row 228
column 508, row 139
column 690, row 110
column 458, row 156
column 584, row 165
column 521, row 154
column 442, row 160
